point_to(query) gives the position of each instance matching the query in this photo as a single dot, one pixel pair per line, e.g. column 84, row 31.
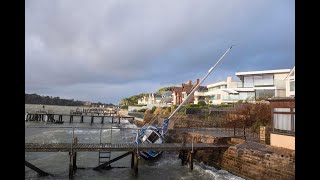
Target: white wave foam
column 214, row 173
column 125, row 121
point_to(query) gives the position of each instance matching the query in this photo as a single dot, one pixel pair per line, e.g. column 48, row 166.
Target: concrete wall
column 279, row 80
column 131, row 108
column 282, row 141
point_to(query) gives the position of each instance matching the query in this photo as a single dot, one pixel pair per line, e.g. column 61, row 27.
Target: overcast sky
column 106, row 50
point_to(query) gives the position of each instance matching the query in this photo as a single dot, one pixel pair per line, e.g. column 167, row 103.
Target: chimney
column 189, row 82
column 198, row 80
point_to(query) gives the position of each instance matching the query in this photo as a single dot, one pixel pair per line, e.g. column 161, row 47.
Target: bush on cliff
column 142, row 110
column 202, row 103
column 250, row 115
column 124, row 107
column 153, row 109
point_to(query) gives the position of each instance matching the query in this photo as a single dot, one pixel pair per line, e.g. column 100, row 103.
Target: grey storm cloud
column 108, row 50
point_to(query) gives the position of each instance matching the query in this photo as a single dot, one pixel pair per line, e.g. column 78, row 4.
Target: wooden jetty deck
column 58, row 118
column 186, row 152
column 68, row 147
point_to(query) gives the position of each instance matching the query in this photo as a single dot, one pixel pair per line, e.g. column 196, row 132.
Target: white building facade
column 253, row 85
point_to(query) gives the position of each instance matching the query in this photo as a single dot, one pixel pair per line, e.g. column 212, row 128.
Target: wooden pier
column 85, row 147
column 186, row 152
column 58, row 118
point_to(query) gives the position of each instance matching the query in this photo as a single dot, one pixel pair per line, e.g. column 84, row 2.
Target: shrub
column 153, row 108
column 194, row 105
column 142, row 110
column 202, row 103
column 124, row 107
column 148, row 111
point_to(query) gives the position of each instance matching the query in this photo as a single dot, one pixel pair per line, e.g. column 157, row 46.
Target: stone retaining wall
column 249, row 160
column 252, row 163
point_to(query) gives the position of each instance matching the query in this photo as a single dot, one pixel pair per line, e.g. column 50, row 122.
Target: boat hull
column 149, row 136
column 150, row 155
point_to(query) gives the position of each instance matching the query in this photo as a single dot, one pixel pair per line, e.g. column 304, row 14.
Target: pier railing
column 82, row 133
column 242, row 133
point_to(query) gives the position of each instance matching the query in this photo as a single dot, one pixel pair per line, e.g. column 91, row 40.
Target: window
column 218, row 96
column 246, row 95
column 215, row 97
column 281, row 110
column 264, row 93
column 284, row 120
column 248, row 81
column 153, row 137
column 292, row 84
column 263, row 80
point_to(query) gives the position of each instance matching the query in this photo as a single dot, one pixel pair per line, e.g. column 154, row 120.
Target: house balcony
column 199, row 93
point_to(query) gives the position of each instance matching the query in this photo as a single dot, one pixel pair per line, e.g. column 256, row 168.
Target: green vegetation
column 142, row 110
column 48, row 100
column 153, row 109
column 132, row 100
column 165, row 89
column 221, row 105
column 139, row 105
column 202, row 103
column 124, row 107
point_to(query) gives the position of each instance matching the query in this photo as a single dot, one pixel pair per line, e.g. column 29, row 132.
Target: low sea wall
column 249, row 160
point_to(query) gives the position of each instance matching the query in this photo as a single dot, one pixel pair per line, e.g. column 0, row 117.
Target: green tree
column 165, row 89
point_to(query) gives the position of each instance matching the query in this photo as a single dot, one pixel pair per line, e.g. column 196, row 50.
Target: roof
column 157, row 95
column 188, row 88
column 217, row 84
column 292, row 70
column 277, row 71
column 230, row 91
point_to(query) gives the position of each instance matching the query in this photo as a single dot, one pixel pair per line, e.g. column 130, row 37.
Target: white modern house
column 143, row 100
column 266, row 84
column 150, row 99
column 222, row 92
column 253, row 85
column 290, row 83
column 166, row 97
column 153, row 99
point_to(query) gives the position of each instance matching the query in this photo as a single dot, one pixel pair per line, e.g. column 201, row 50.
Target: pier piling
column 191, row 160
column 135, row 164
column 74, row 160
